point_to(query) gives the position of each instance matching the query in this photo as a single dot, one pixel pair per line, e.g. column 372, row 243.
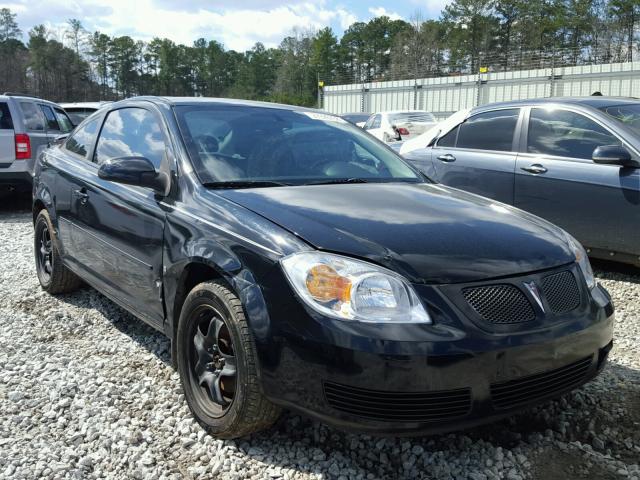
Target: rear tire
column 216, row 359
column 54, row 277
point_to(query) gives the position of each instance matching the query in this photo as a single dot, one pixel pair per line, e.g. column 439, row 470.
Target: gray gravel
column 86, row 391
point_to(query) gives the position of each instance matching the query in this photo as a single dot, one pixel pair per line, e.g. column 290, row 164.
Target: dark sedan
column 573, row 161
column 295, row 261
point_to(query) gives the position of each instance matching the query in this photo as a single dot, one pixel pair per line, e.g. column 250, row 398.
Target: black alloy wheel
column 213, row 362
column 217, row 362
column 53, row 275
column 44, row 254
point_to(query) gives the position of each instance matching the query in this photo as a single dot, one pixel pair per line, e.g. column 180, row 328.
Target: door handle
column 536, row 168
column 447, row 157
column 82, row 195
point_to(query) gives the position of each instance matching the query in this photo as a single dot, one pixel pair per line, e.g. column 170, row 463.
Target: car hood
column 429, row 233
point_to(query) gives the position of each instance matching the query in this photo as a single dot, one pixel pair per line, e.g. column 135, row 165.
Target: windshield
column 627, row 114
column 416, row 117
column 271, row 146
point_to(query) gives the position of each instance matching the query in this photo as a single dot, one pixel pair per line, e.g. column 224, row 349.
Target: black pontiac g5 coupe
column 294, row 261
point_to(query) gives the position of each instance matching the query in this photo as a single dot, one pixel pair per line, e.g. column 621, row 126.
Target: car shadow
column 15, row 203
column 606, row 268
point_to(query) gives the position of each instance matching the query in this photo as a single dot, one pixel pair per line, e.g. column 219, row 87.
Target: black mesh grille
column 500, row 304
column 398, row 406
column 547, row 384
column 561, row 291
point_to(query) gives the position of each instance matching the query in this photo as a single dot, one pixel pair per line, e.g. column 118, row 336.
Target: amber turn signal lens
column 325, row 284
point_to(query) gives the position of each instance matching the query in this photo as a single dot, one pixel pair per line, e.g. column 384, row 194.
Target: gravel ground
column 86, row 391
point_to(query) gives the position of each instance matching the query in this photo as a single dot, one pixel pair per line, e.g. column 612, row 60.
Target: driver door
column 118, row 229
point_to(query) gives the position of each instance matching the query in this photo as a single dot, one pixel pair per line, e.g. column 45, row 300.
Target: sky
column 237, row 24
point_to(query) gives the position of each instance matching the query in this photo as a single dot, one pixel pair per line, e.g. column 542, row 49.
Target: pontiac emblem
column 535, row 293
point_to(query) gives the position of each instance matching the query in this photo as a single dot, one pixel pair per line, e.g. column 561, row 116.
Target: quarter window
column 566, row 134
column 376, row 122
column 82, row 139
column 449, row 140
column 489, row 130
column 131, row 132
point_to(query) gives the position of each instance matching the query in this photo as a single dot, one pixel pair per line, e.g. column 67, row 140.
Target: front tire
column 217, row 364
column 54, row 277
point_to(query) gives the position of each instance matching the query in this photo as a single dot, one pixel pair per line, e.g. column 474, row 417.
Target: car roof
column 96, row 105
column 591, row 101
column 6, row 96
column 406, row 110
column 226, row 101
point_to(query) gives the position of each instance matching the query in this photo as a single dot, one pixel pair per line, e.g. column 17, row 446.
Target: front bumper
column 387, row 379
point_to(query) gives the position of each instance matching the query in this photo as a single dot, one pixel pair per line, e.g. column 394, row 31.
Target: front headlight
column 351, row 289
column 583, row 261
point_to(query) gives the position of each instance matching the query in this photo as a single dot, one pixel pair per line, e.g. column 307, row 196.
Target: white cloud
column 238, row 26
column 346, row 18
column 433, row 8
column 238, row 29
column 383, row 12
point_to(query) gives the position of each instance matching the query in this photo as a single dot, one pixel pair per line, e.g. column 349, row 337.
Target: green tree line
column 469, row 35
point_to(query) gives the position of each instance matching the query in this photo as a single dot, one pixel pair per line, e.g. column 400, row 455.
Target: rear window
column 6, row 123
column 78, row 114
column 33, row 118
column 417, row 117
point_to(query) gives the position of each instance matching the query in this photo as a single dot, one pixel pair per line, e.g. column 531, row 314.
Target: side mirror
column 138, row 171
column 613, row 155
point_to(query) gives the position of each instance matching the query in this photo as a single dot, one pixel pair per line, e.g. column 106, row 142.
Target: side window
column 33, row 118
column 131, row 132
column 52, row 121
column 82, row 139
column 489, row 131
column 63, row 120
column 565, row 133
column 377, row 121
column 6, row 123
column 449, row 140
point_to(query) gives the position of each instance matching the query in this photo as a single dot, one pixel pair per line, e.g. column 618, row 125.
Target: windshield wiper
column 339, row 180
column 245, row 184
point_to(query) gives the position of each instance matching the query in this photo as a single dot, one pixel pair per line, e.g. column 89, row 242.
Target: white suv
column 27, row 125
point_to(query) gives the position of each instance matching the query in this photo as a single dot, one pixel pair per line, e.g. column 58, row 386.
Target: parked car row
column 27, row 126
column 393, row 126
column 297, row 262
